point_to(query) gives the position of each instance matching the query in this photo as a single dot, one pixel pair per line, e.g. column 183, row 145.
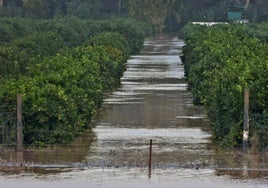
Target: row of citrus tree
column 220, row 62
column 62, row 68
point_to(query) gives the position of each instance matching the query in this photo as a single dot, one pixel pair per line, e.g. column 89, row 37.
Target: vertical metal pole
column 19, row 123
column 150, row 158
column 246, row 120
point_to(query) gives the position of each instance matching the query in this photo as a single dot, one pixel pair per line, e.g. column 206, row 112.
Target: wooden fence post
column 246, row 120
column 19, row 123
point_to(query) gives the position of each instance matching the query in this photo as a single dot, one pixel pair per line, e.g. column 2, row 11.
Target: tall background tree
column 154, row 11
column 169, row 15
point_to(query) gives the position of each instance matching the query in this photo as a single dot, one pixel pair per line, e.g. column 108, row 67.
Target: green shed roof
column 234, row 15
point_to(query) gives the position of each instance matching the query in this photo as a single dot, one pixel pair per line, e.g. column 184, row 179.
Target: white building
column 208, row 23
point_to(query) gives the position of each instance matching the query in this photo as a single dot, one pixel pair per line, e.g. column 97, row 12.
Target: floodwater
column 152, row 103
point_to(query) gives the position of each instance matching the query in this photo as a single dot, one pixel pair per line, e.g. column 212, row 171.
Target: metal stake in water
column 150, row 158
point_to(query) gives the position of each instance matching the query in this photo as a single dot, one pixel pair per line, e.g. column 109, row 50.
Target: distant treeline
column 220, row 62
column 168, row 15
column 58, row 8
column 63, row 67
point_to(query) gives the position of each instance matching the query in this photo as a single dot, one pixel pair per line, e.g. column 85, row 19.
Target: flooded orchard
column 152, row 103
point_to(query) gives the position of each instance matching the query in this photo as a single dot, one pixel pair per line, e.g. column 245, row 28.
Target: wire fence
column 8, row 127
column 259, row 129
column 259, row 123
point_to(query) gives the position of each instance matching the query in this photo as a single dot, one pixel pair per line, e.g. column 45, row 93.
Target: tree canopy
column 165, row 14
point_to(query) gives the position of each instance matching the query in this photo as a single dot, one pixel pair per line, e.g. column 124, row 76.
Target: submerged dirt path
column 152, row 103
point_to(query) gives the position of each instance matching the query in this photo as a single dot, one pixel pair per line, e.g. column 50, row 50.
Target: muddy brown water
column 152, row 103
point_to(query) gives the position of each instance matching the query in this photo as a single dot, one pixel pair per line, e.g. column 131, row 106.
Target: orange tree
column 63, row 73
column 221, row 61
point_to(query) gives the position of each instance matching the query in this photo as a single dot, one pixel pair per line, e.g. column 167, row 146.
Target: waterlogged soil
column 152, row 103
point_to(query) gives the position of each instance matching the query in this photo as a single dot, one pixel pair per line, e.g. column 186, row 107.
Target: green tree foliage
column 59, row 8
column 184, row 11
column 174, row 14
column 64, row 92
column 13, row 28
column 112, row 39
column 154, row 11
column 257, row 11
column 258, row 30
column 169, row 15
column 84, row 8
column 24, row 47
column 120, row 47
column 62, row 68
column 221, row 61
column 19, row 54
column 133, row 31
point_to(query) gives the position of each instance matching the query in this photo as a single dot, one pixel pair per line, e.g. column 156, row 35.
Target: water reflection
column 153, row 103
column 64, row 156
column 241, row 165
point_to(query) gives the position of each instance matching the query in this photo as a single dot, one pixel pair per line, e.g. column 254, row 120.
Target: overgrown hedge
column 220, row 62
column 62, row 68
